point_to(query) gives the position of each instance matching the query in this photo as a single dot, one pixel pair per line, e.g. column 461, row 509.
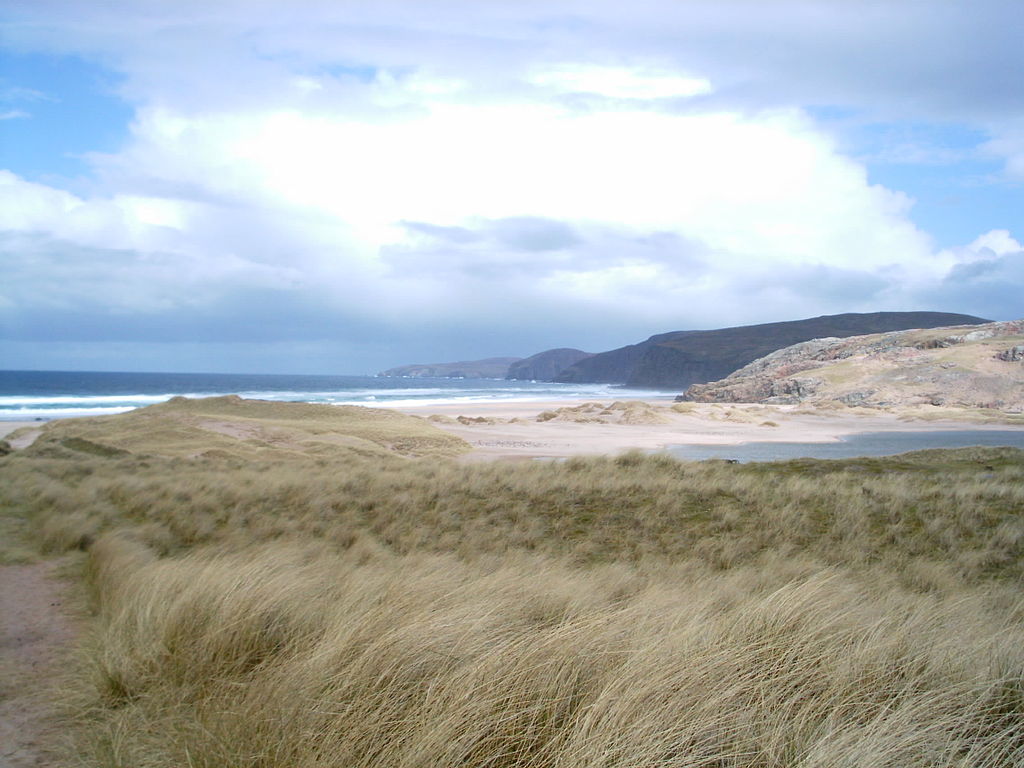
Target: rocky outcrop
column 491, row 368
column 545, row 366
column 959, row 366
column 1012, row 355
column 678, row 359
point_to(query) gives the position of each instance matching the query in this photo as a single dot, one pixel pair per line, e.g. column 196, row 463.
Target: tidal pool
column 859, row 444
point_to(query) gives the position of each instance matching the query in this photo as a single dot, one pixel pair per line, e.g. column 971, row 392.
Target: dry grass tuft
column 294, row 656
column 341, row 604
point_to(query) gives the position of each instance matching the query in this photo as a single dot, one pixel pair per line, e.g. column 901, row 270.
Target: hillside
column 545, row 366
column 961, row 367
column 678, row 359
column 491, row 368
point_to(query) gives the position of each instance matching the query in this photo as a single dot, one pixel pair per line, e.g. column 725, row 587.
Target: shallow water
column 860, row 444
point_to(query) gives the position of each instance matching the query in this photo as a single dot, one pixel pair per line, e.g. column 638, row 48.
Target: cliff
column 491, row 368
column 678, row 359
column 545, row 366
column 972, row 366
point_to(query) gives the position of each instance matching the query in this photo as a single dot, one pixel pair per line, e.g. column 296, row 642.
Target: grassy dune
column 358, row 608
column 232, row 428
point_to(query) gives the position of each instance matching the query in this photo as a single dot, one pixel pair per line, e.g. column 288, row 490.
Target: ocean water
column 851, row 446
column 44, row 395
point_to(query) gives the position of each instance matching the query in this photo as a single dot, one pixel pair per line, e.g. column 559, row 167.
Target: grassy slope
column 971, row 356
column 357, row 608
column 230, row 427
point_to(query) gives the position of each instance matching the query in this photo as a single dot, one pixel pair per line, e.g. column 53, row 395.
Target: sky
column 343, row 186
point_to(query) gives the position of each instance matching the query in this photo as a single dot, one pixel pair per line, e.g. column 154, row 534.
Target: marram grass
column 274, row 606
column 291, row 656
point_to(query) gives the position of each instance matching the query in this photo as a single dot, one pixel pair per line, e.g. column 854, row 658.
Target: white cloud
column 412, row 162
column 1007, row 145
column 998, row 242
column 985, row 247
column 334, row 191
column 620, row 82
column 769, row 188
column 124, row 254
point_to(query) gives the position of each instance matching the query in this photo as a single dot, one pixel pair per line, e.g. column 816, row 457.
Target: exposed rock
column 955, row 367
column 797, row 388
column 1012, row 355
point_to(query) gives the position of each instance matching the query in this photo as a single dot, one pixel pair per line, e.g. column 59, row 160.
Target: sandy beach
column 518, row 430
column 523, row 430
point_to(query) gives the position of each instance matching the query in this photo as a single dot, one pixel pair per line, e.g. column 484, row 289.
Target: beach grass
column 358, row 607
column 230, row 427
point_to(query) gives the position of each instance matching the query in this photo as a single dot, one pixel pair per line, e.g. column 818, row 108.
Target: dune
column 288, row 585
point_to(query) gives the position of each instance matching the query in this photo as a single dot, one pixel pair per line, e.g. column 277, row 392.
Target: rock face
column 545, row 366
column 678, row 359
column 491, row 368
column 966, row 366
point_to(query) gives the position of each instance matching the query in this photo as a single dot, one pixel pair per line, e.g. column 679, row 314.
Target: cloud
column 414, row 175
column 998, row 242
column 900, row 57
column 989, row 288
column 1007, row 144
column 17, row 93
column 753, row 186
column 619, row 82
column 880, row 61
column 534, row 233
column 476, row 216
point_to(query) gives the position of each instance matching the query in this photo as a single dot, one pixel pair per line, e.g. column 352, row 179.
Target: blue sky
column 345, row 187
column 59, row 109
column 958, row 187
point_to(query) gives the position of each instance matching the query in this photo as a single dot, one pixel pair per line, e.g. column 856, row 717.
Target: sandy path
column 25, row 440
column 35, row 633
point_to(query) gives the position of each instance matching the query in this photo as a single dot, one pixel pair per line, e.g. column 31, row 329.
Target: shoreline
column 504, row 431
column 544, row 428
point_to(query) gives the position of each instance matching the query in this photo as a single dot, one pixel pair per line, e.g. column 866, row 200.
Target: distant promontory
column 545, row 366
column 678, row 359
column 490, row 368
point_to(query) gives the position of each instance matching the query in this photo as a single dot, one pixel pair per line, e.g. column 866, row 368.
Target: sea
column 45, row 395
